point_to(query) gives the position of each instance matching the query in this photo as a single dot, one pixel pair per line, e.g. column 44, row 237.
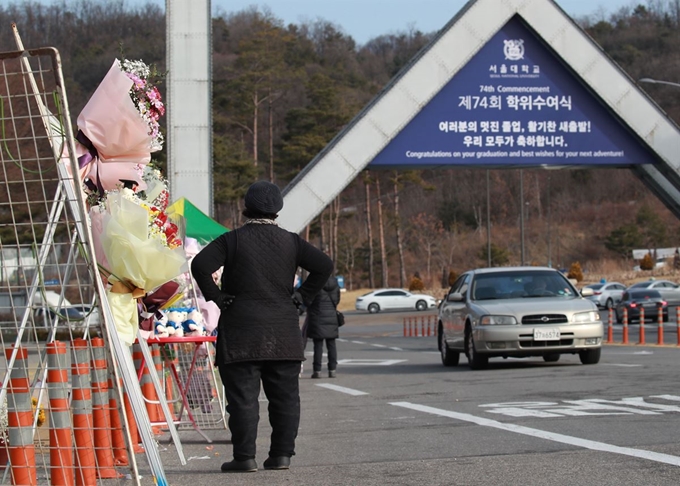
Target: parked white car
column 394, row 299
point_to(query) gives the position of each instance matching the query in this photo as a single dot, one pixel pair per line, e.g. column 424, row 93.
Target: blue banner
column 514, row 104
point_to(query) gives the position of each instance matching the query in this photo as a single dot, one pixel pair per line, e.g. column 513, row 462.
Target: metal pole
column 521, row 211
column 488, row 221
column 549, row 223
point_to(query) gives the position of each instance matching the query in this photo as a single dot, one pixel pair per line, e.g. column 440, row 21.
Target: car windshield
column 640, row 285
column 520, row 284
column 595, row 286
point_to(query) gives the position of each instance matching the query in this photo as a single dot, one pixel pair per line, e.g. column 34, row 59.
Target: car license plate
column 546, row 334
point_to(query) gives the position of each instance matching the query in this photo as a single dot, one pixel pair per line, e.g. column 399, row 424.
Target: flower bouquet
column 118, row 129
column 139, row 250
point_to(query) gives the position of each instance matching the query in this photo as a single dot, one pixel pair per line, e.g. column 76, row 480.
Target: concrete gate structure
column 505, row 84
column 526, row 83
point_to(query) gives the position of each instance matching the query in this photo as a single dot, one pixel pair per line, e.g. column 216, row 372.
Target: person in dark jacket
column 258, row 339
column 323, row 326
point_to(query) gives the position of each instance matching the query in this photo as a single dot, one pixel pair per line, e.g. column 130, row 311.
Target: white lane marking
column 370, row 362
column 379, row 345
column 396, row 349
column 623, row 365
column 542, row 434
column 357, row 342
column 342, row 389
column 621, row 353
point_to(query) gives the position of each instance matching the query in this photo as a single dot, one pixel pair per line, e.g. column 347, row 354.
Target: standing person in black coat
column 323, row 326
column 258, row 338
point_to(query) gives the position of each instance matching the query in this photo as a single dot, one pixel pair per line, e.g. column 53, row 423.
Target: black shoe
column 331, row 373
column 316, row 374
column 281, row 462
column 249, row 465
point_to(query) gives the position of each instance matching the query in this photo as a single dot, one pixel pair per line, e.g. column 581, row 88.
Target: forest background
column 282, row 92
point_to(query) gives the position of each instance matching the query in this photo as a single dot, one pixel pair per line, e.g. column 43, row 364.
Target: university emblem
column 513, row 49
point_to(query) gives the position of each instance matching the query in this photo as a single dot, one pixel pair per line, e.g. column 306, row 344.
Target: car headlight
column 585, row 317
column 497, row 321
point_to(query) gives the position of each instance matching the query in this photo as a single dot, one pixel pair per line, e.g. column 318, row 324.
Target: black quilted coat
column 323, row 321
column 260, row 261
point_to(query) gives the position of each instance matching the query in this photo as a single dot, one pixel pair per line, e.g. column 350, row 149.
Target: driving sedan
column 394, row 299
column 670, row 291
column 518, row 312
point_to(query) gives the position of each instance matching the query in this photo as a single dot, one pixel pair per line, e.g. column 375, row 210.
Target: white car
column 606, row 295
column 394, row 299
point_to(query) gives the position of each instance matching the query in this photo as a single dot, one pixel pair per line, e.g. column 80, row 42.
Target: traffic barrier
column 659, row 337
column 132, row 424
column 412, row 328
column 118, row 443
column 81, row 406
column 20, row 420
column 158, row 364
column 625, row 326
column 677, row 322
column 610, row 327
column 148, row 391
column 62, row 472
column 101, row 415
column 642, row 326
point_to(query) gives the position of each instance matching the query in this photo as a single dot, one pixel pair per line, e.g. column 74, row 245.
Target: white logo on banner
column 513, row 49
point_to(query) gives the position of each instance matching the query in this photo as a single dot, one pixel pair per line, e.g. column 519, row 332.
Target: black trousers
column 242, row 389
column 332, row 354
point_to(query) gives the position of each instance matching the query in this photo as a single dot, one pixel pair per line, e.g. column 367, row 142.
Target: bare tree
column 381, row 228
column 369, row 231
column 397, row 226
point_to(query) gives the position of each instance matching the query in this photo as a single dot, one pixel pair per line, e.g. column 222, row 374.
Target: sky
column 365, row 19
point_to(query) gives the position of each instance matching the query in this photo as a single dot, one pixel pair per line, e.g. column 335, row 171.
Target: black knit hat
column 264, row 197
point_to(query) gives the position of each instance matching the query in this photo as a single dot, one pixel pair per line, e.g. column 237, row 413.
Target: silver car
column 518, row 312
column 606, row 295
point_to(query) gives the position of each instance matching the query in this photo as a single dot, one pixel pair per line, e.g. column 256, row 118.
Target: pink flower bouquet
column 118, row 128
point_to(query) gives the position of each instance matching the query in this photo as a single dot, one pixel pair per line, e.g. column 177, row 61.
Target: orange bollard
column 169, row 395
column 158, row 363
column 410, row 327
column 20, row 420
column 422, row 326
column 625, row 326
column 405, row 333
column 62, row 472
column 429, row 326
column 148, row 391
column 81, row 405
column 120, row 455
column 134, row 433
column 101, row 415
column 610, row 328
column 659, row 337
column 642, row 326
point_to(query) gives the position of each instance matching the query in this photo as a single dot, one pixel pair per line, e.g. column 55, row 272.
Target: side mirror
column 587, row 292
column 454, row 297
